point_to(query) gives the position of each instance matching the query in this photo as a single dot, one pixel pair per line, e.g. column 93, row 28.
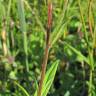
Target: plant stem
column 4, row 39
column 22, row 88
column 90, row 17
column 83, row 22
column 90, row 84
column 90, row 21
column 45, row 59
column 91, row 60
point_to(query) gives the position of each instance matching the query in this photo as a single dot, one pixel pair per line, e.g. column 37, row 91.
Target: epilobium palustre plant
column 47, row 47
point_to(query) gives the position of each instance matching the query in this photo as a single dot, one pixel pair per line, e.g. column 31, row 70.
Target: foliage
column 71, row 64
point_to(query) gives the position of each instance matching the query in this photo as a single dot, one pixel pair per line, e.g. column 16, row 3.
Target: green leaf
column 56, row 32
column 67, row 93
column 23, row 90
column 49, row 78
column 78, row 53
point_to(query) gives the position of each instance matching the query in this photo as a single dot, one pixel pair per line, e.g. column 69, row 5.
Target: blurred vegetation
column 73, row 43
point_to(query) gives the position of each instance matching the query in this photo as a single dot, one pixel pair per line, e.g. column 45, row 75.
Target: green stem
column 91, row 60
column 23, row 90
column 90, row 84
column 83, row 22
column 23, row 29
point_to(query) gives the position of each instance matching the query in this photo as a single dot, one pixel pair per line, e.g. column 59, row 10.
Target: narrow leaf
column 23, row 90
column 49, row 78
column 78, row 53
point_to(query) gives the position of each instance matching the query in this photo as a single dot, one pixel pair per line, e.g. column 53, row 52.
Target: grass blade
column 60, row 20
column 78, row 53
column 23, row 90
column 23, row 29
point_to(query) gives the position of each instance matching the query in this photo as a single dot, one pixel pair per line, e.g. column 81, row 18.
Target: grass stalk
column 4, row 39
column 23, row 29
column 91, row 58
column 23, row 90
column 83, row 22
column 3, row 30
column 90, row 84
column 90, row 17
column 90, row 50
column 8, row 23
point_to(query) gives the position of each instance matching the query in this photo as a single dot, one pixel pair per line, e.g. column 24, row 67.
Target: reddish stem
column 45, row 59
